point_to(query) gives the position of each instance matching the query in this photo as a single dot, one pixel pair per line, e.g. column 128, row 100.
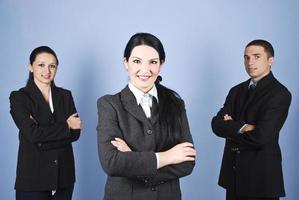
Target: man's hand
column 227, row 117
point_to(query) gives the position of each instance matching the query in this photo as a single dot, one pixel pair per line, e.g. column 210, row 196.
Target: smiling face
column 257, row 62
column 143, row 67
column 44, row 68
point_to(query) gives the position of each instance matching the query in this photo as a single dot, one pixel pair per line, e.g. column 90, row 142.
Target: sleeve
column 74, row 133
column 269, row 122
column 229, row 128
column 136, row 165
column 171, row 172
column 30, row 128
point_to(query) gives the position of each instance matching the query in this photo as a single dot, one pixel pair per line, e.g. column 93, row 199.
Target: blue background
column 204, row 42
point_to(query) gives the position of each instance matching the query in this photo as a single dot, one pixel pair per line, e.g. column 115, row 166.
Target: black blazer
column 134, row 175
column 45, row 158
column 255, row 156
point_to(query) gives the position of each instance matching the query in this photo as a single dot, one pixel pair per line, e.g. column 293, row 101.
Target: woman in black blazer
column 145, row 145
column 48, row 124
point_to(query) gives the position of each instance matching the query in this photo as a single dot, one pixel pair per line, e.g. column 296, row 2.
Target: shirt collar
column 138, row 93
column 252, row 83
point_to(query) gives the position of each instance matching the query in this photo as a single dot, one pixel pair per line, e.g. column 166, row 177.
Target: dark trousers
column 60, row 194
column 231, row 195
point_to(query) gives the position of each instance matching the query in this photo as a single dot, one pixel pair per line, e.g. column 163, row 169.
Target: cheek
column 156, row 70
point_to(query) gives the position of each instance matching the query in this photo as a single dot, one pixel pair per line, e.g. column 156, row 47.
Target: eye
column 154, row 62
column 136, row 61
column 41, row 65
column 257, row 56
column 52, row 66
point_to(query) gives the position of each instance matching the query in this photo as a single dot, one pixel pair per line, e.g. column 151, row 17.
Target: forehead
column 254, row 49
column 144, row 51
column 45, row 57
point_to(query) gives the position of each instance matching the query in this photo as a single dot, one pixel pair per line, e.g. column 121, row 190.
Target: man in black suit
column 250, row 121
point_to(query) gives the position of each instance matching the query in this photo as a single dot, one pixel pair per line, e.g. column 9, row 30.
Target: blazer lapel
column 57, row 103
column 129, row 102
column 154, row 111
column 37, row 97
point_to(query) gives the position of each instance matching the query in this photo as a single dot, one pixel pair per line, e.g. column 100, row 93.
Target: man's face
column 257, row 62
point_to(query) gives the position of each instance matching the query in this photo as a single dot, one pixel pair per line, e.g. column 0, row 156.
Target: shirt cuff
column 241, row 132
column 157, row 157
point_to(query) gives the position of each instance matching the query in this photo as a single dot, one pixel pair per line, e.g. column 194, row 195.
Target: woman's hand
column 120, row 144
column 74, row 122
column 178, row 154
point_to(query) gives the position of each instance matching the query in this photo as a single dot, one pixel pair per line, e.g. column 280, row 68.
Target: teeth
column 144, row 77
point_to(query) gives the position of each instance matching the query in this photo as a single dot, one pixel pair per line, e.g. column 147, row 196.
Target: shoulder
column 240, row 86
column 109, row 99
column 63, row 91
column 281, row 91
column 18, row 95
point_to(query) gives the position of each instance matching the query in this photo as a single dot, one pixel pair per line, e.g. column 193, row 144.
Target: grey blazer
column 134, row 175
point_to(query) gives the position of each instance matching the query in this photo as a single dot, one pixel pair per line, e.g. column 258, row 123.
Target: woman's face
column 44, row 68
column 143, row 67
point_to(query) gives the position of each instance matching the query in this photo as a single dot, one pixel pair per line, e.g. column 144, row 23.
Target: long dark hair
column 170, row 103
column 34, row 53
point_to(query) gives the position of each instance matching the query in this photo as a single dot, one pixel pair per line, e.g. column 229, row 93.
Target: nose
column 145, row 67
column 47, row 69
column 250, row 61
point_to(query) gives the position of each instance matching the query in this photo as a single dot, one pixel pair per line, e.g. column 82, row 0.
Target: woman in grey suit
column 144, row 140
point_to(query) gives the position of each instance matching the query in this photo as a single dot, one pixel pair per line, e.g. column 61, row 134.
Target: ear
column 30, row 67
column 271, row 61
column 125, row 64
column 162, row 64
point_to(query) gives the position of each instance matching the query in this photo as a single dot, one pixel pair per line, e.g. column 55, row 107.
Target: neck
column 44, row 88
column 259, row 78
column 144, row 90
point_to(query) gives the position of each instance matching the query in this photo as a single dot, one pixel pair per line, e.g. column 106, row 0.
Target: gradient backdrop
column 204, row 42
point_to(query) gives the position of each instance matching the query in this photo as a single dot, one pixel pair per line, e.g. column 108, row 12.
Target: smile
column 143, row 77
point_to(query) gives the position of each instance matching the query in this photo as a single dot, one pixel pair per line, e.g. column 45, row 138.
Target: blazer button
column 56, row 162
column 149, row 132
column 238, row 152
column 39, row 144
column 153, row 188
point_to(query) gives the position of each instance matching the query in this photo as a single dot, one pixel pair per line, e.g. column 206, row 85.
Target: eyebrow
column 141, row 58
column 255, row 54
column 42, row 62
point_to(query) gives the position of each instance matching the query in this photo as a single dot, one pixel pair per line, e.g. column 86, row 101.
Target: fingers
column 120, row 141
column 227, row 117
column 74, row 122
column 186, row 144
column 74, row 115
column 120, row 144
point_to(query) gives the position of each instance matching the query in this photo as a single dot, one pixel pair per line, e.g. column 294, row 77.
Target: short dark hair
column 263, row 43
column 34, row 53
column 144, row 39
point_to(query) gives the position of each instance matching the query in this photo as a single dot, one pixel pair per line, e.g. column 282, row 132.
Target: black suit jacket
column 254, row 156
column 45, row 158
column 134, row 175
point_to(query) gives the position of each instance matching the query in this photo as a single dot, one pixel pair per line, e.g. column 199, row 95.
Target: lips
column 252, row 69
column 46, row 76
column 143, row 77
